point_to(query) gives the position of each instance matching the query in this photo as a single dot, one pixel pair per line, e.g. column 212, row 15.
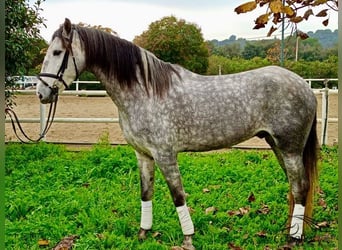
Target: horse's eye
column 57, row 52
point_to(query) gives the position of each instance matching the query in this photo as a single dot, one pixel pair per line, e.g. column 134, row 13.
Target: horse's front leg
column 146, row 167
column 174, row 182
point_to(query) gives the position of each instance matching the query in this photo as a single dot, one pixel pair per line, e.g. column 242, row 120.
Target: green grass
column 52, row 193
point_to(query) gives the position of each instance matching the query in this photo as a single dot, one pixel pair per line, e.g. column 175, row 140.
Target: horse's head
column 63, row 62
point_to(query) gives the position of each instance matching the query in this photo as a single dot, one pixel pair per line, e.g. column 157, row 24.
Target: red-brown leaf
column 66, row 243
column 296, row 19
column 251, row 198
column 232, row 246
column 261, row 234
column 322, row 13
column 308, row 13
column 325, row 22
column 259, row 26
column 272, row 29
column 319, row 2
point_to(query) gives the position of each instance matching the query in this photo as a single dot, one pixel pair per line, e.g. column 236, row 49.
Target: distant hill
column 327, row 39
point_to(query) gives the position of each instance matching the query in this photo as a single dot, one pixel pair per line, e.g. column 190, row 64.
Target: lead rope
column 15, row 120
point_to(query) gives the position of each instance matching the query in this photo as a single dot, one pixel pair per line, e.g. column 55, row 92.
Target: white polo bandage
column 297, row 222
column 185, row 220
column 146, row 215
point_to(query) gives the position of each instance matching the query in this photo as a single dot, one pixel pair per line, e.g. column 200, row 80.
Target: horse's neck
column 123, row 99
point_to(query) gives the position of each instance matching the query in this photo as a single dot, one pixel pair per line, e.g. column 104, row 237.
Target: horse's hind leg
column 292, row 163
column 299, row 184
column 146, row 167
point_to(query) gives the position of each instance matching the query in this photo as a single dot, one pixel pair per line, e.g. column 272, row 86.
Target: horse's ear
column 66, row 28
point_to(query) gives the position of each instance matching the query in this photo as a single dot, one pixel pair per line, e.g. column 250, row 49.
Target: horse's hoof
column 187, row 243
column 142, row 234
column 292, row 241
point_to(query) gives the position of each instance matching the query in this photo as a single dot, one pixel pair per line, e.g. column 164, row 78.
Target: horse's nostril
column 40, row 96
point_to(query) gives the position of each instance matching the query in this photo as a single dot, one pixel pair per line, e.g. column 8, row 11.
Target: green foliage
column 176, row 41
column 52, row 193
column 22, row 39
column 306, row 69
column 234, row 65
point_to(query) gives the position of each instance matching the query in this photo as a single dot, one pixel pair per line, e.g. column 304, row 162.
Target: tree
column 292, row 11
column 176, row 41
column 21, row 39
column 257, row 48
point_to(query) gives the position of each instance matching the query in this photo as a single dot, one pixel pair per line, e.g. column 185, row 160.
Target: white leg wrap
column 185, row 220
column 297, row 221
column 146, row 215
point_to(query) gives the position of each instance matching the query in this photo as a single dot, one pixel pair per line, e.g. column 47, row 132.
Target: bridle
column 54, row 92
column 64, row 66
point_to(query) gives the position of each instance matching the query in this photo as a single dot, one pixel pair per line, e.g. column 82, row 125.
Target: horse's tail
column 310, row 160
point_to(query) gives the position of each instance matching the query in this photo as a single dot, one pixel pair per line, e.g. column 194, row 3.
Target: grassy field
column 238, row 200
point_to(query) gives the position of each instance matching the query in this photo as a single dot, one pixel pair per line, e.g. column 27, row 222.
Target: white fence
column 324, row 119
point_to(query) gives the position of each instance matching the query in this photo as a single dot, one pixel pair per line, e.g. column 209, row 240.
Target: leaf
column 302, row 35
column 318, row 238
column 211, row 210
column 308, row 13
column 177, row 248
column 288, row 11
column 322, row 13
column 66, row 243
column 242, row 211
column 246, row 7
column 276, row 18
column 262, row 19
column 319, row 2
column 272, row 29
column 276, row 6
column 251, row 198
column 323, row 224
column 43, row 243
column 325, row 22
column 264, row 210
column 156, row 234
column 262, row 234
column 322, row 203
column 233, row 246
column 259, row 26
column 296, row 19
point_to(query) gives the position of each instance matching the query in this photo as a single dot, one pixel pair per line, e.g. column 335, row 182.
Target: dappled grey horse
column 165, row 109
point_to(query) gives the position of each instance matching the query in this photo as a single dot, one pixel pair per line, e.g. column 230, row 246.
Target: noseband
column 64, row 66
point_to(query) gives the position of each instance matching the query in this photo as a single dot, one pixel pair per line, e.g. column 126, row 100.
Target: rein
column 15, row 120
column 54, row 91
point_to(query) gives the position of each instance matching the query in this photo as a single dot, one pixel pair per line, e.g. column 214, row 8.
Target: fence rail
column 325, row 92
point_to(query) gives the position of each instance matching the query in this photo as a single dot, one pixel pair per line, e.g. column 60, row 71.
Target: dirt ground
column 102, row 107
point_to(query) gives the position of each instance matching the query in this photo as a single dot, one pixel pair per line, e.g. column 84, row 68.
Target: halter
column 64, row 66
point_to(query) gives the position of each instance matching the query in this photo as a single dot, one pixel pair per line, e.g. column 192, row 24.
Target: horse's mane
column 119, row 60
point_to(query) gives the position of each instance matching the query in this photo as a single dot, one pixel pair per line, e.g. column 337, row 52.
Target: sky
column 129, row 18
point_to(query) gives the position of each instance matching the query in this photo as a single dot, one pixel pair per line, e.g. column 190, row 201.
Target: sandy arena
column 102, row 107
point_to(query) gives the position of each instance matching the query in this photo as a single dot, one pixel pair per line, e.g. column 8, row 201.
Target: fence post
column 325, row 95
column 42, row 119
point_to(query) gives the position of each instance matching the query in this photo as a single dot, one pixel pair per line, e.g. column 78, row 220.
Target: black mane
column 119, row 60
